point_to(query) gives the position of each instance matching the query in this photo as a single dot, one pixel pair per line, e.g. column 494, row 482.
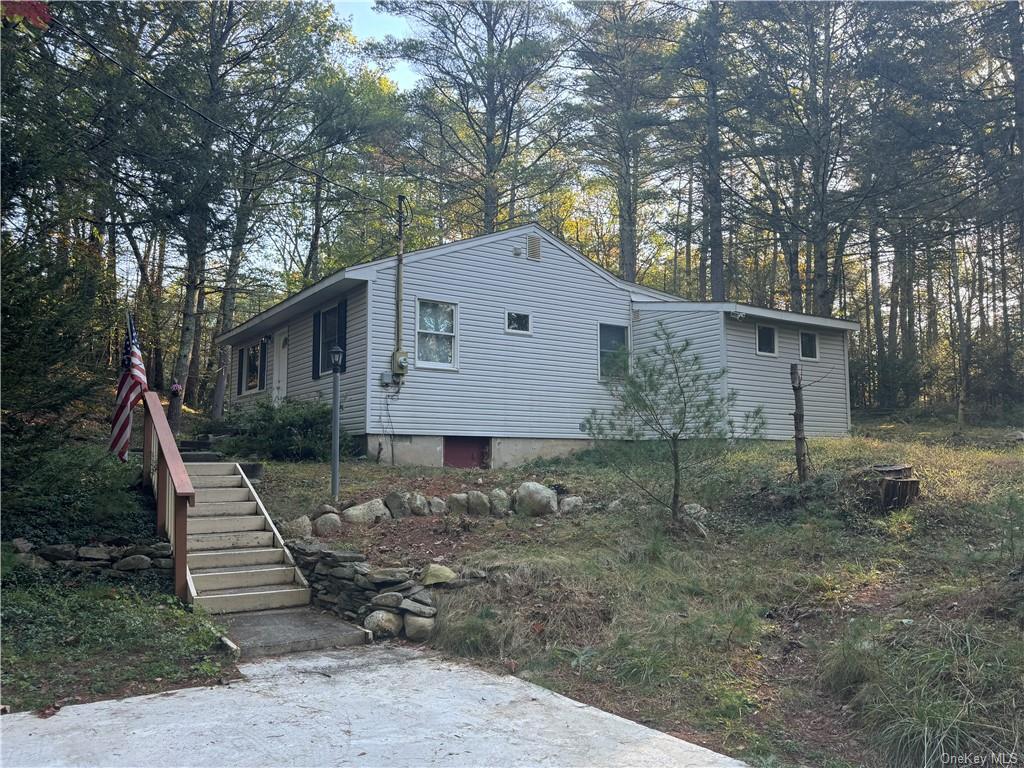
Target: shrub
column 291, row 430
column 76, row 494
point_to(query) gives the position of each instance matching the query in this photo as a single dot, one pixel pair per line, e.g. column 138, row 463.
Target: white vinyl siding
column 764, row 380
column 538, row 385
column 702, row 329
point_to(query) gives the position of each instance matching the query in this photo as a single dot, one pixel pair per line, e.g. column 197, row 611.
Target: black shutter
column 263, row 364
column 241, row 369
column 316, row 345
column 342, row 329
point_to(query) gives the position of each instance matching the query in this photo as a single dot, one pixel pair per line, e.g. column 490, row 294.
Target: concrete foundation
column 428, row 450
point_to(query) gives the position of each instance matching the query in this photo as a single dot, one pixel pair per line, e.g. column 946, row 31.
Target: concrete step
column 222, row 494
column 216, row 481
column 234, row 524
column 234, row 558
column 201, row 456
column 290, row 630
column 210, row 468
column 221, row 509
column 205, row 541
column 219, row 579
column 252, row 599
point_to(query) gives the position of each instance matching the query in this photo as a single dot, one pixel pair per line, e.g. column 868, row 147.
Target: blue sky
column 368, row 24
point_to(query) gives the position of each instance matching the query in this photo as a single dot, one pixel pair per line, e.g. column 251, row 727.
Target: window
column 252, row 367
column 808, row 345
column 518, row 322
column 328, row 338
column 612, row 339
column 766, row 340
column 436, row 323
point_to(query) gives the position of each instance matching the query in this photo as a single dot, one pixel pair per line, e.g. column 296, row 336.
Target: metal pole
column 336, row 434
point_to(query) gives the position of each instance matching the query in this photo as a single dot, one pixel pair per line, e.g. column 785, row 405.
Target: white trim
column 800, row 345
column 529, row 322
column 368, row 398
column 846, row 380
column 757, row 340
column 724, row 367
column 629, row 344
column 743, row 310
column 426, row 364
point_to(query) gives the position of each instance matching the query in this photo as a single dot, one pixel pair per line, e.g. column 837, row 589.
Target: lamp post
column 336, row 422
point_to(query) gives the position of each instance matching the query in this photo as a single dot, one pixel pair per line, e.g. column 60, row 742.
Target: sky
column 368, row 24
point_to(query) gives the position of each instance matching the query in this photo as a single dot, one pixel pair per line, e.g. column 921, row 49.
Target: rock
column 473, row 573
column 418, row 628
column 35, row 562
column 499, row 503
column 324, row 509
column 93, row 553
column 417, row 609
column 299, row 528
column 535, row 500
column 343, row 556
column 343, row 572
column 133, row 563
column 616, row 507
column 22, row 546
column 437, row 506
column 570, row 504
column 696, row 511
column 422, row 597
column 478, row 504
column 458, row 503
column 389, row 575
column 83, row 565
column 367, row 512
column 435, row 573
column 383, row 623
column 162, row 549
column 163, row 563
column 327, row 524
column 138, row 549
column 55, row 552
column 397, row 504
column 418, row 504
column 387, row 600
column 1016, row 437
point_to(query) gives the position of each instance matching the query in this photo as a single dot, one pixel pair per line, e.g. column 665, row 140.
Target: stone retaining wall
column 107, row 559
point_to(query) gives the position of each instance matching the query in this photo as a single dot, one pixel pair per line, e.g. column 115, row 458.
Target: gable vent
column 533, row 247
column 636, row 315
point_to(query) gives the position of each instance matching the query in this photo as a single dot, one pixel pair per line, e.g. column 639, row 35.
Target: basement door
column 467, row 452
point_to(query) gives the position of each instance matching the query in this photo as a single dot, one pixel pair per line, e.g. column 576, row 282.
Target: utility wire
column 232, row 132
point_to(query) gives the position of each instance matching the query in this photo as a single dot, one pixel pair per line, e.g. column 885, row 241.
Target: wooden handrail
column 165, row 472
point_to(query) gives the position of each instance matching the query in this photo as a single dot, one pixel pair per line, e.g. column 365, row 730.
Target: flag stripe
column 130, row 387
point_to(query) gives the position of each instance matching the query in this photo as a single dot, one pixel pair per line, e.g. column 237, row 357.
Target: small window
column 436, row 322
column 518, row 322
column 766, row 340
column 612, row 339
column 328, row 338
column 252, row 360
column 808, row 345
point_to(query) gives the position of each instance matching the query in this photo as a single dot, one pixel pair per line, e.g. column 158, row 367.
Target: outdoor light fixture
column 336, row 423
column 336, row 358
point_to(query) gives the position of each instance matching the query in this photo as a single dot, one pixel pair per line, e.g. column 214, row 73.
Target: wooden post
column 799, row 437
column 181, row 548
column 147, row 450
column 161, row 494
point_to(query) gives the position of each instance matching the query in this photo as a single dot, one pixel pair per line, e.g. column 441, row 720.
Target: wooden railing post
column 147, row 450
column 181, row 548
column 161, row 494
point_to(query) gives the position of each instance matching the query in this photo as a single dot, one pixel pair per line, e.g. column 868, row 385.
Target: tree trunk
column 713, row 157
column 799, row 436
column 311, row 272
column 627, row 220
column 191, row 396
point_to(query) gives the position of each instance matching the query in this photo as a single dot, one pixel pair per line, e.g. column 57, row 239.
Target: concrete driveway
column 369, row 706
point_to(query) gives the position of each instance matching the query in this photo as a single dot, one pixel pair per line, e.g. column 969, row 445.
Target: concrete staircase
column 236, row 558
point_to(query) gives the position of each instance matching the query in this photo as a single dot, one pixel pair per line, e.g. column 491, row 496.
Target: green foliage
column 65, row 638
column 76, row 493
column 851, row 661
column 294, row 430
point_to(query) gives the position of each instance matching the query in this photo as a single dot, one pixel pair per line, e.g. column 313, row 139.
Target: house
column 503, row 339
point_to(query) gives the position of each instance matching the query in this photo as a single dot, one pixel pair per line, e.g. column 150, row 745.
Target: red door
column 467, row 452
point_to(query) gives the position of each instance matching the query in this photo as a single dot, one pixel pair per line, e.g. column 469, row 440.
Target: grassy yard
column 805, row 630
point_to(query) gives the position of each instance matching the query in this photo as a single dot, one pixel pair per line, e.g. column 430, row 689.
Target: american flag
column 129, row 391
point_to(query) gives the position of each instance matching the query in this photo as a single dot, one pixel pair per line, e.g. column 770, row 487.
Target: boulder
column 437, row 506
column 133, row 563
column 94, row 553
column 367, row 512
column 83, row 565
column 55, row 552
column 478, row 504
column 138, row 549
column 389, row 575
column 323, row 509
column 435, row 573
column 35, row 562
column 499, row 503
column 327, row 524
column 299, row 528
column 163, row 563
column 162, row 549
column 570, row 504
column 617, row 507
column 383, row 623
column 535, row 500
column 22, row 546
column 418, row 504
column 387, row 600
column 458, row 503
column 696, row 511
column 418, row 628
column 346, row 571
column 417, row 608
column 398, row 504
